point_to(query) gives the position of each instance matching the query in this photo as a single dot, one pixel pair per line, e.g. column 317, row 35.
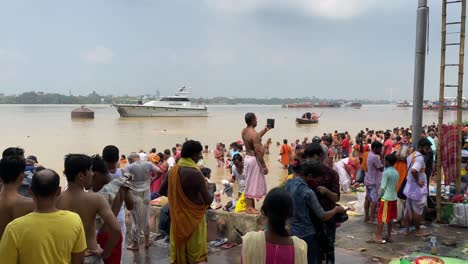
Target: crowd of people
column 85, row 222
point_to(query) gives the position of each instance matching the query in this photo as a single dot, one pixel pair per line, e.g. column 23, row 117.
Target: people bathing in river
column 243, row 169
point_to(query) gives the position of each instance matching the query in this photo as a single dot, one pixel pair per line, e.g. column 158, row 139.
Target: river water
column 48, row 132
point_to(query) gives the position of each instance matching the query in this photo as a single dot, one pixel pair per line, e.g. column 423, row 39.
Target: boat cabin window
column 175, row 99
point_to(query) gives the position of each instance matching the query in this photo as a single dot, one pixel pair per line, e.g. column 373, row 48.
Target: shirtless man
column 12, row 204
column 88, row 205
column 255, row 168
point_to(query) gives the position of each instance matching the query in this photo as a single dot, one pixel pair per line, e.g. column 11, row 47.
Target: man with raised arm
column 255, row 168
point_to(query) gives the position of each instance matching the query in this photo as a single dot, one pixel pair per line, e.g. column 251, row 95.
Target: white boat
column 178, row 105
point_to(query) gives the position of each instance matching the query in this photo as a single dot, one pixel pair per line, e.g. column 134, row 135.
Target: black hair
column 369, row 140
column 191, row 148
column 110, row 154
column 76, row 163
column 391, row 158
column 153, row 150
column 249, row 118
column 285, row 141
column 311, row 168
column 13, row 151
column 278, row 208
column 313, row 149
column 206, row 171
column 98, row 165
column 328, row 139
column 376, row 145
column 11, row 168
column 206, row 146
column 361, row 146
column 167, row 152
column 237, row 157
column 161, row 156
column 123, row 156
column 423, row 142
column 45, row 183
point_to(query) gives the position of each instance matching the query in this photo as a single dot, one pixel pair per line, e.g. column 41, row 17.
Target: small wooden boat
column 306, row 121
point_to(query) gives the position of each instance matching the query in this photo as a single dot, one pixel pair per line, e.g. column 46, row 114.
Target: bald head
column 45, row 183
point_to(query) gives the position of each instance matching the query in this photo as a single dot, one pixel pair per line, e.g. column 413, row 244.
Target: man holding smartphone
column 255, row 168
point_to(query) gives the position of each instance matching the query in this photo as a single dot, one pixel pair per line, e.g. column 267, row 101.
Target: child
column 206, row 150
column 388, row 201
column 275, row 245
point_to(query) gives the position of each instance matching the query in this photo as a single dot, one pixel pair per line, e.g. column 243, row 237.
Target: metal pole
column 419, row 69
column 460, row 94
column 441, row 111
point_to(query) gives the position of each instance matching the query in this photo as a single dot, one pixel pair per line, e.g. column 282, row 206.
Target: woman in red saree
column 158, row 179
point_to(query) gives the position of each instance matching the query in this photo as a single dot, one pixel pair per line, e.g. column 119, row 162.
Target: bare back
column 13, row 206
column 86, row 205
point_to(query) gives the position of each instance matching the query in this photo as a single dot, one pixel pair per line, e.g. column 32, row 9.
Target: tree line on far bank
column 95, row 98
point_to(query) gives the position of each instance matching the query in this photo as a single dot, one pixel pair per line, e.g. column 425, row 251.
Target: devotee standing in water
column 285, row 153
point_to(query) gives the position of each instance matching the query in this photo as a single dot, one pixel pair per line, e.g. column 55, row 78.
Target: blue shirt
column 306, row 206
column 232, row 153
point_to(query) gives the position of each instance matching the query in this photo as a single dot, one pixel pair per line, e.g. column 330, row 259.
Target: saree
column 188, row 233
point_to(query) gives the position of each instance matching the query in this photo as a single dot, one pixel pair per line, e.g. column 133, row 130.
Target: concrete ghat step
column 220, row 223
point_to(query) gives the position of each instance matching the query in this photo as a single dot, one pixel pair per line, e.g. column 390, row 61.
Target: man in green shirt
column 388, row 200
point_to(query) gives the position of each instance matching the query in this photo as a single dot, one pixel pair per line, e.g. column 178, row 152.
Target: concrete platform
column 159, row 254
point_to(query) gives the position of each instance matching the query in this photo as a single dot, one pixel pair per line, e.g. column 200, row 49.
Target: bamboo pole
column 441, row 110
column 460, row 94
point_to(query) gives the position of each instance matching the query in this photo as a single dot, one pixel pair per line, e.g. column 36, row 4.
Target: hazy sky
column 260, row 48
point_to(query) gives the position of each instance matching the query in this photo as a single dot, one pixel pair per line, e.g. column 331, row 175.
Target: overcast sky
column 238, row 48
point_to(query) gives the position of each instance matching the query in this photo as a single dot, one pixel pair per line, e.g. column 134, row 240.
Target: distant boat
column 450, row 103
column 327, row 104
column 299, row 105
column 404, row 104
column 353, row 105
column 178, row 105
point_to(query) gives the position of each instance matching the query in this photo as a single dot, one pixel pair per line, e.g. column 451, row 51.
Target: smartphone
column 271, row 123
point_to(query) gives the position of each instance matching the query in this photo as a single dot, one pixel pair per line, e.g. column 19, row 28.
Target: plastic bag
column 240, row 205
column 360, row 203
column 460, row 215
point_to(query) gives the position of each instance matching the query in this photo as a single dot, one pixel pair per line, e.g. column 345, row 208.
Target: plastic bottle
column 433, row 242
